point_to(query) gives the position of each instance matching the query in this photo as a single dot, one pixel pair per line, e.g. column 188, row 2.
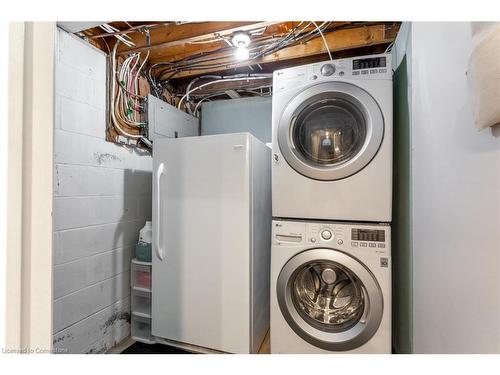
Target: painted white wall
column 102, row 197
column 456, row 201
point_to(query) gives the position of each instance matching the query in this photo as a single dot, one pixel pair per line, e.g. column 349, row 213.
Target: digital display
column 373, row 62
column 373, row 235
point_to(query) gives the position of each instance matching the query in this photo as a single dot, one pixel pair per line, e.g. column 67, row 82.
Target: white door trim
column 30, row 186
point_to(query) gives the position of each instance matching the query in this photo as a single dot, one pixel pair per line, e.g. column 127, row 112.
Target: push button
column 362, row 244
column 372, row 244
column 354, row 244
column 381, row 245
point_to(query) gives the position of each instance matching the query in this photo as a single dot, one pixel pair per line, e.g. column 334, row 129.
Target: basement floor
column 140, row 348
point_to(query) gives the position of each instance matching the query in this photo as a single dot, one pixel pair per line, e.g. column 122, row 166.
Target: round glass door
column 330, row 131
column 328, row 296
column 330, row 299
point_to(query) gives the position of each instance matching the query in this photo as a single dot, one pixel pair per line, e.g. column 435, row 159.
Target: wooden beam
column 174, row 35
column 337, row 40
column 178, row 52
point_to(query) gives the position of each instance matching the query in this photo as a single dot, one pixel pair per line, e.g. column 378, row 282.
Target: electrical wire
column 298, row 34
column 125, row 39
column 215, row 81
column 159, row 74
column 125, row 99
column 324, row 40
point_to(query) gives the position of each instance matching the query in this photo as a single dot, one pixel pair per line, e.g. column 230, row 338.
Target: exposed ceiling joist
column 196, row 48
column 179, row 51
column 337, row 40
column 175, row 35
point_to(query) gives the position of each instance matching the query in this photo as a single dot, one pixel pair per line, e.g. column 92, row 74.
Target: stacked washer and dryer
column 332, row 203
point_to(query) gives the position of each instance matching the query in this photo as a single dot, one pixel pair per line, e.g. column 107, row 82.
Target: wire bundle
column 128, row 106
column 164, row 71
column 160, row 74
column 246, row 78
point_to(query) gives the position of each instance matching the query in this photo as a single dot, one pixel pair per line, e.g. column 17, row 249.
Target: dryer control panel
column 339, row 235
column 372, row 67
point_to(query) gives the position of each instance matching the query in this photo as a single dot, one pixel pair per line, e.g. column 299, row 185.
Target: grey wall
column 102, row 197
column 402, row 272
column 238, row 115
column 456, row 201
column 454, row 213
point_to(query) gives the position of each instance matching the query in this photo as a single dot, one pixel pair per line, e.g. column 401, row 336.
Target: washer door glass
column 328, row 295
column 330, row 299
column 329, row 131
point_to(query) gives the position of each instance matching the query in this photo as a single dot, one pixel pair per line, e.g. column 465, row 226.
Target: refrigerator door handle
column 158, row 248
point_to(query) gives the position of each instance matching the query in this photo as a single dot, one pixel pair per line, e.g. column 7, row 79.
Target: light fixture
column 242, row 53
column 241, row 41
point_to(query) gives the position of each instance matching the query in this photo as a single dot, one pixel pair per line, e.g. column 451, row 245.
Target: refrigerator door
column 201, row 241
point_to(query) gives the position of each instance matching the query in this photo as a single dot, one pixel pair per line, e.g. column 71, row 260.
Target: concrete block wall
column 102, row 197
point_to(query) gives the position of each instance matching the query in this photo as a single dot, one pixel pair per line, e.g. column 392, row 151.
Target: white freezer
column 211, row 241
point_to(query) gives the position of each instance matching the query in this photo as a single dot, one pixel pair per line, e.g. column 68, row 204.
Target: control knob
column 327, row 70
column 326, row 234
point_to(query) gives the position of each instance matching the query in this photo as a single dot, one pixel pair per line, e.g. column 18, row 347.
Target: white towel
column 484, row 73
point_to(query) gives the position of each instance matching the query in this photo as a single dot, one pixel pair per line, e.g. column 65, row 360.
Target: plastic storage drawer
column 141, row 329
column 141, row 276
column 141, row 302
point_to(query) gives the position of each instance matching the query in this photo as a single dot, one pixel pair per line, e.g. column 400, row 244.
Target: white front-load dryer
column 330, row 287
column 332, row 140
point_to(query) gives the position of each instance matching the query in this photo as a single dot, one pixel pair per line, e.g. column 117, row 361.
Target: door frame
column 28, row 323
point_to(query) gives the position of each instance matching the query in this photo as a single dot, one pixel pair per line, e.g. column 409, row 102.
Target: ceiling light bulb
column 241, row 39
column 242, row 53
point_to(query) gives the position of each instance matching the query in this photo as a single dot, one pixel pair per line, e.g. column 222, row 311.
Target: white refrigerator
column 211, row 241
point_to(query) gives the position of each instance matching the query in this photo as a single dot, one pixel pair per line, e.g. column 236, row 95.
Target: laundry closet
column 266, row 188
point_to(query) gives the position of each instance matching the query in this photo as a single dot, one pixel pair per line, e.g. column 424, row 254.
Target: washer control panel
column 340, row 235
column 328, row 233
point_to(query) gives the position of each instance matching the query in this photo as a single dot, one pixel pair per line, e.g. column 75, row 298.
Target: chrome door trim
column 349, row 339
column 158, row 248
column 374, row 120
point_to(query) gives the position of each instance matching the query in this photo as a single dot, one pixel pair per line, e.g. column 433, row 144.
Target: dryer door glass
column 329, row 131
column 328, row 295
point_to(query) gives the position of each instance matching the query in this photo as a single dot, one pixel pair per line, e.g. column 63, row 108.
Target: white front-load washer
column 332, row 140
column 330, row 287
